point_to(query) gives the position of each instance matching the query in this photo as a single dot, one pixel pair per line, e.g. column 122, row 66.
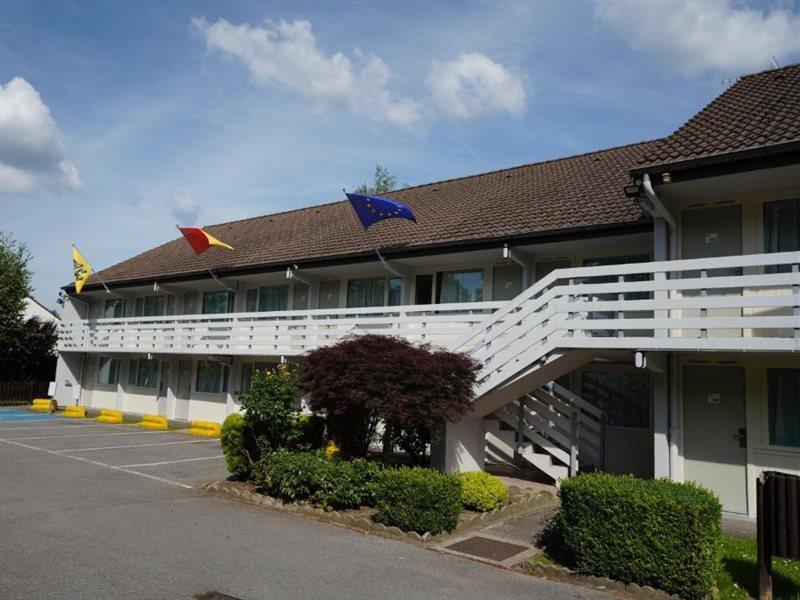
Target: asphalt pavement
column 111, row 512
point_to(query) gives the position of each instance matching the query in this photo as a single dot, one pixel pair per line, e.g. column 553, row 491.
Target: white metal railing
column 733, row 303
column 559, row 423
column 279, row 333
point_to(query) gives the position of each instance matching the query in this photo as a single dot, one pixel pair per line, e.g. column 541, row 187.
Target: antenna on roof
column 775, row 64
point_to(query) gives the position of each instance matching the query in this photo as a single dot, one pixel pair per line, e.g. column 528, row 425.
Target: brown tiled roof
column 584, row 191
column 759, row 110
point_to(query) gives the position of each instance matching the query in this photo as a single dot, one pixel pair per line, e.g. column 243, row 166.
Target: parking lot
column 171, row 457
column 110, row 511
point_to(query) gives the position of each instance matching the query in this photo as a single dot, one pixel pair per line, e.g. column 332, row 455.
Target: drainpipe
column 653, row 204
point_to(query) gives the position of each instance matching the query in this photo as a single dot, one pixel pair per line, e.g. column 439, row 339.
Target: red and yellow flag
column 200, row 240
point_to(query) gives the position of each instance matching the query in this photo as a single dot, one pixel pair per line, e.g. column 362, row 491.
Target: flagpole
column 100, row 279
column 372, row 242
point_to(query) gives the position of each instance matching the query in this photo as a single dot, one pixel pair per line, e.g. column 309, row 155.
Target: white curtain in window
column 365, row 292
column 273, row 298
column 460, row 286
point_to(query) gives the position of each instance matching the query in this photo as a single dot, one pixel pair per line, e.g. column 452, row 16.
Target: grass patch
column 739, row 577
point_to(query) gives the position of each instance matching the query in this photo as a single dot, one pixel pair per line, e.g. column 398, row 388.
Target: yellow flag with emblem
column 81, row 269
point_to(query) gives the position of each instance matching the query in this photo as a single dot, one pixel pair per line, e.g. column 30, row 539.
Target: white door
column 715, row 439
column 709, row 232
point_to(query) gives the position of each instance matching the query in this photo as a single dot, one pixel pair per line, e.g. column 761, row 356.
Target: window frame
column 767, row 205
column 438, row 284
column 770, row 418
column 141, row 305
column 228, row 304
column 255, row 296
column 110, row 360
column 116, row 302
column 135, row 372
column 222, row 383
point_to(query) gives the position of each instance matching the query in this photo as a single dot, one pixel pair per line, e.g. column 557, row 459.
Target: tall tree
column 15, row 286
column 384, row 181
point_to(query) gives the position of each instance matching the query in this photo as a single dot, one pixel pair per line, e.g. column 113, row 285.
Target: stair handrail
column 655, row 267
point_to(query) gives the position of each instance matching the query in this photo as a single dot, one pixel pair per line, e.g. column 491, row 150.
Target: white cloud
column 185, row 209
column 286, row 53
column 695, row 37
column 473, row 85
column 32, row 150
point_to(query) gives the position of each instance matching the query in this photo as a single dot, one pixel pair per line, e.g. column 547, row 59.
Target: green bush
column 482, row 491
column 417, row 499
column 270, row 407
column 312, row 477
column 651, row 532
column 234, row 439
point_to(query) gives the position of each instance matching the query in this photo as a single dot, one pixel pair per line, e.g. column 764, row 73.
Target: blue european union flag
column 371, row 209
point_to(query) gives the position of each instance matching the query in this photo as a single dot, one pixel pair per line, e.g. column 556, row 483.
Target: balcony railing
column 736, row 303
column 283, row 333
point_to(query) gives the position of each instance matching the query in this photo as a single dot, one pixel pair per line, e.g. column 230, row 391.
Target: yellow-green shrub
column 482, row 491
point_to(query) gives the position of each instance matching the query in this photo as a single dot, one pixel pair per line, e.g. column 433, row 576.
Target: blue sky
column 118, row 120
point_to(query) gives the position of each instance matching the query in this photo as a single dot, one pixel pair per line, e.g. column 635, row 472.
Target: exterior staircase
column 550, row 428
column 572, row 316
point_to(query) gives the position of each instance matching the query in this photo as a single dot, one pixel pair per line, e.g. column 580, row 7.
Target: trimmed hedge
column 482, row 491
column 312, row 477
column 651, row 532
column 417, row 499
column 235, row 432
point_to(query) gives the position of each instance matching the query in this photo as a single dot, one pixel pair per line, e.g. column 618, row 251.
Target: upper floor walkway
column 746, row 303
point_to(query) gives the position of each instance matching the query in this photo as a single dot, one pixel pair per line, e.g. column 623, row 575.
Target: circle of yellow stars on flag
column 376, row 211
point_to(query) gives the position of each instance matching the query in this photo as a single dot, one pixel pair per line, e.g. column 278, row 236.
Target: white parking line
column 61, row 437
column 49, row 427
column 100, row 464
column 169, row 462
column 132, row 446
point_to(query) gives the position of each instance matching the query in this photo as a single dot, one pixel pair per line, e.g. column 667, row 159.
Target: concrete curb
column 566, row 575
column 524, row 502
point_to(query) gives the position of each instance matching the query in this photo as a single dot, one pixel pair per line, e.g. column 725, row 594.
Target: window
column 423, row 290
column 624, row 396
column 459, row 286
column 329, row 293
column 143, row 373
column 114, row 309
column 506, row 282
column 781, row 229
column 368, row 291
column 783, row 392
column 212, row 377
column 619, row 260
column 215, row 303
column 107, row 370
column 150, row 306
column 394, row 294
column 543, row 268
column 247, row 373
column 300, row 296
column 268, row 299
